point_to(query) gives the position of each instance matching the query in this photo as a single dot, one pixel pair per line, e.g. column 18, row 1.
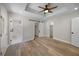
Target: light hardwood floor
column 42, row 47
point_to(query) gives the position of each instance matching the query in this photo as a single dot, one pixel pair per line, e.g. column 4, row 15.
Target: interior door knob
column 10, row 40
column 72, row 32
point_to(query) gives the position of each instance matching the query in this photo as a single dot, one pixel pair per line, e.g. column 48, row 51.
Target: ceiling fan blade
column 53, row 8
column 49, row 4
column 41, row 11
column 50, row 11
column 41, row 7
column 46, row 6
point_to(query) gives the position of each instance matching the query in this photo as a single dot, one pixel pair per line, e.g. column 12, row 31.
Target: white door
column 75, row 32
column 0, row 33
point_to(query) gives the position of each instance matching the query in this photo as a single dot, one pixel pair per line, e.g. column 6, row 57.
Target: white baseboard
column 61, row 40
column 28, row 39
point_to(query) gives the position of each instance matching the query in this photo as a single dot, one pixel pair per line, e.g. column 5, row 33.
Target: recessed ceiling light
column 76, row 8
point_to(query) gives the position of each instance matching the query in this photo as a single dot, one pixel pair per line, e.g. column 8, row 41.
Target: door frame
column 1, row 36
column 71, row 31
column 36, row 30
column 51, row 31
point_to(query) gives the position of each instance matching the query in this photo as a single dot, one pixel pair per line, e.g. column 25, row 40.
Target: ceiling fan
column 47, row 8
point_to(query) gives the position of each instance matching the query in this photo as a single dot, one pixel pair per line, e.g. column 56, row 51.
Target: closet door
column 0, row 33
column 75, row 32
column 4, row 29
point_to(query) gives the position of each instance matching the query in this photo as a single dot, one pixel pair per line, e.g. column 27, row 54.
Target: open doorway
column 51, row 31
column 36, row 31
column 36, row 28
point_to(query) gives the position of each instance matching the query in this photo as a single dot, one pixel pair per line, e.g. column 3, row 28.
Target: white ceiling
column 15, row 7
column 20, row 8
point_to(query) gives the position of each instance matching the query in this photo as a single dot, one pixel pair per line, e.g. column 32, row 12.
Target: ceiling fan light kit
column 47, row 8
column 46, row 11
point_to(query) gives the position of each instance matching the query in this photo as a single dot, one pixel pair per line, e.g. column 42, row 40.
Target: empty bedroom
column 39, row 29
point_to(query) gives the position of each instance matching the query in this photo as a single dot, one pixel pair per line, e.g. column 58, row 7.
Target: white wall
column 17, row 25
column 24, row 31
column 41, row 29
column 28, row 29
column 62, row 26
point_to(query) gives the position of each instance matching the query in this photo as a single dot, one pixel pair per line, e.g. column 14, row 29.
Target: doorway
column 75, row 32
column 36, row 34
column 51, row 31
